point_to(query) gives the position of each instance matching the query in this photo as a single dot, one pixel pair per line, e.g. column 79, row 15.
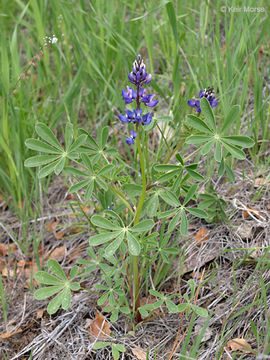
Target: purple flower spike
column 208, row 94
column 139, row 77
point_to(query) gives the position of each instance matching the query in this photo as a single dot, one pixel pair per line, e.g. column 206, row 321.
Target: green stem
column 136, row 284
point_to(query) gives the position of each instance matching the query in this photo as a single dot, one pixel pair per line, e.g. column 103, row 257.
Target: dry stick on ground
column 176, row 345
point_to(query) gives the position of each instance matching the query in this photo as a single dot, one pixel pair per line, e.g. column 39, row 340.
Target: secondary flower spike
column 138, row 77
column 208, row 94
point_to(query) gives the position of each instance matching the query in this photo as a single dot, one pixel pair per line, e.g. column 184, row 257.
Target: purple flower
column 146, row 119
column 208, row 94
column 129, row 95
column 133, row 136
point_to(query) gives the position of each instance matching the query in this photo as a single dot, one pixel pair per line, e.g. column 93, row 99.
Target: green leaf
column 68, row 135
column 195, row 175
column 152, row 205
column 102, row 222
column 166, row 213
column 198, row 124
column 231, row 117
column 174, row 221
column 166, row 167
column 182, row 307
column 144, row 225
column 208, row 113
column 197, row 212
column 133, row 244
column 103, row 238
column 237, row 153
column 114, row 245
column 198, row 139
column 39, row 145
column 199, row 310
column 47, row 291
column 101, row 345
column 120, row 347
column 39, row 160
column 74, row 272
column 115, row 353
column 167, row 176
column 89, row 190
column 55, row 303
column 56, row 269
column 191, row 191
column 207, row 147
column 184, row 224
column 76, row 187
column 60, row 165
column 87, row 162
column 75, row 286
column 66, row 298
column 169, row 198
column 221, row 168
column 48, row 169
column 230, row 173
column 105, row 135
column 73, row 171
column 164, row 118
column 218, row 152
column 172, row 19
column 46, row 134
column 171, row 306
column 242, row 141
column 78, row 142
column 105, row 170
column 42, row 277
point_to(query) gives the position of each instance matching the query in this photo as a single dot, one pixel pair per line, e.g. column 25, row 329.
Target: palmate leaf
column 198, row 139
column 102, row 222
column 184, row 224
column 242, row 141
column 60, row 285
column 103, row 237
column 144, row 225
column 56, row 161
column 114, row 245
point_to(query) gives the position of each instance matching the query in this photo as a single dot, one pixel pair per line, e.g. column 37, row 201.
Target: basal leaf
column 197, row 212
column 207, row 147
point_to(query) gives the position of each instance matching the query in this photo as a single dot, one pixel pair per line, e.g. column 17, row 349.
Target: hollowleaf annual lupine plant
column 141, row 209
